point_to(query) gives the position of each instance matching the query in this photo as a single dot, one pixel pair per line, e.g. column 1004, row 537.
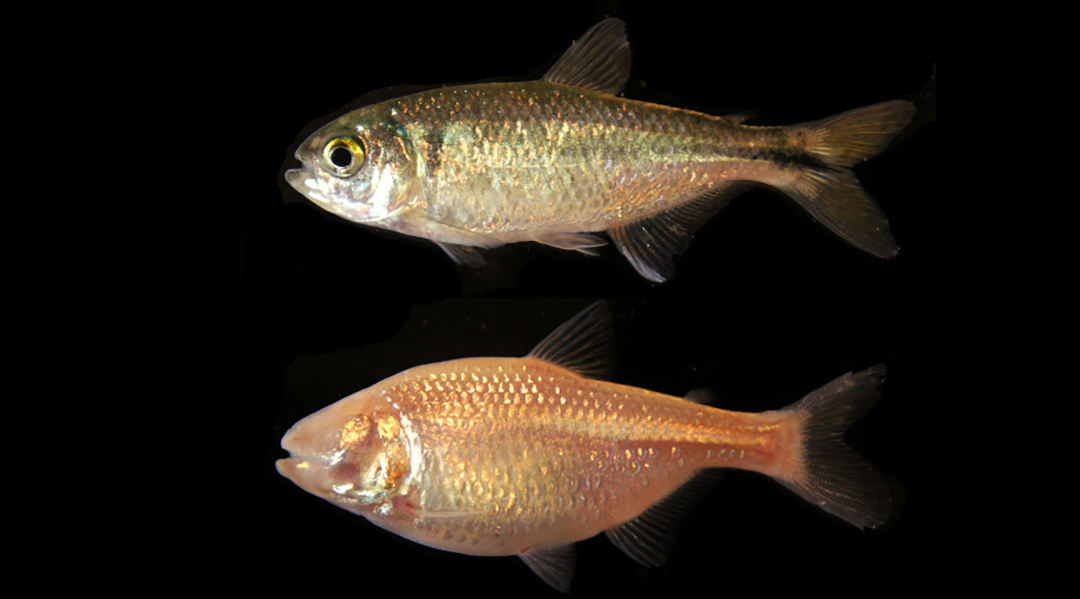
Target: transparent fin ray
column 554, row 565
column 585, row 344
column 830, row 474
column 701, row 395
column 835, row 199
column 599, row 61
column 648, row 539
column 578, row 242
column 463, row 249
column 832, row 194
column 461, row 254
column 740, row 117
column 650, row 244
column 849, row 138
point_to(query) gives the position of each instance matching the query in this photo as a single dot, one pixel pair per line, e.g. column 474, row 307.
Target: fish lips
column 298, row 467
column 290, row 443
column 326, row 193
column 308, row 184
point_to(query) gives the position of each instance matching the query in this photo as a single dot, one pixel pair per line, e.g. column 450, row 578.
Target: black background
column 765, row 306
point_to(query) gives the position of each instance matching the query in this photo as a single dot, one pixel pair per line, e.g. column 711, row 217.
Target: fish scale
column 555, row 161
column 549, row 156
column 549, row 452
column 525, row 456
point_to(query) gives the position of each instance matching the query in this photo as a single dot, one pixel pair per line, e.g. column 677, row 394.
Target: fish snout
column 299, row 467
column 312, row 186
column 296, row 441
column 295, row 438
column 295, row 177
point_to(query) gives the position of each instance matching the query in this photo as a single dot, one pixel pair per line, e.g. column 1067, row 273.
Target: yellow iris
column 343, row 156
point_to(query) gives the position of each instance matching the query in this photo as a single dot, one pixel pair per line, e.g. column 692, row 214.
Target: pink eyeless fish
column 557, row 160
column 526, row 456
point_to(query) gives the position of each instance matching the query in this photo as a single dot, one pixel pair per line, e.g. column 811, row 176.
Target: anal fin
column 651, row 243
column 648, row 539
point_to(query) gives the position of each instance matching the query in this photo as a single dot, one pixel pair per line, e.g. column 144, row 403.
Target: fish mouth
column 303, row 181
column 301, row 473
column 287, row 467
column 296, row 465
column 301, row 468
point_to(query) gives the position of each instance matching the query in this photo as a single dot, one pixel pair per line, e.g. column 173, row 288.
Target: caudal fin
column 828, row 473
column 831, row 193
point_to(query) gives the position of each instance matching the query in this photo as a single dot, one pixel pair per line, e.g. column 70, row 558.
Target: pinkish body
column 525, row 456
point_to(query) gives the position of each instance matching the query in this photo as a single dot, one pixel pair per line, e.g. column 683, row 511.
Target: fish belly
column 520, row 161
column 519, row 454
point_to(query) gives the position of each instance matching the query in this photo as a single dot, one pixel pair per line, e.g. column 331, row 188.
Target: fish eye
column 343, row 156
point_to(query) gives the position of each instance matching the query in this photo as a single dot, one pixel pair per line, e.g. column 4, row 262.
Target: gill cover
column 371, row 461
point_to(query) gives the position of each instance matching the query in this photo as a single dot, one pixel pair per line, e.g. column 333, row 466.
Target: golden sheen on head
column 370, row 461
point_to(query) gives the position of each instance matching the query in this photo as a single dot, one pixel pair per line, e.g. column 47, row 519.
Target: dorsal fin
column 598, row 62
column 584, row 344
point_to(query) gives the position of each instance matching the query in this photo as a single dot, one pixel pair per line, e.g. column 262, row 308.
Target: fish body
column 557, row 160
column 525, row 456
column 553, row 161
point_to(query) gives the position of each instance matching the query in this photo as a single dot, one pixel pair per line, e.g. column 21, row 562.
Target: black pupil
column 341, row 157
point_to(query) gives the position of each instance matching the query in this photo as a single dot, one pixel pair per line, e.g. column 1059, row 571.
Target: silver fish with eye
column 558, row 160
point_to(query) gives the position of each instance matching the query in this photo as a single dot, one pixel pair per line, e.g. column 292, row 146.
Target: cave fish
column 525, row 456
column 557, row 160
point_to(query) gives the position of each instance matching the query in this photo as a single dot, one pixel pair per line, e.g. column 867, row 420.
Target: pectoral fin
column 459, row 244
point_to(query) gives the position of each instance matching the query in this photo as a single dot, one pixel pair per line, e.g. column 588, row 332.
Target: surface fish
column 558, row 160
column 525, row 456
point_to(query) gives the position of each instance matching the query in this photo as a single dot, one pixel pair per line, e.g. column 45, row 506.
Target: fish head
column 355, row 453
column 358, row 166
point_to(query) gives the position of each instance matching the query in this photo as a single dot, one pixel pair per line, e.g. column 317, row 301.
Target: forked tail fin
column 831, row 193
column 827, row 472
